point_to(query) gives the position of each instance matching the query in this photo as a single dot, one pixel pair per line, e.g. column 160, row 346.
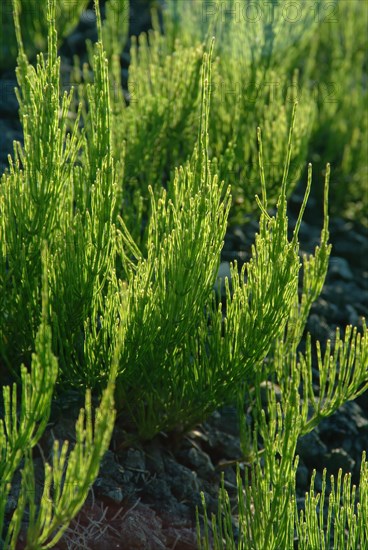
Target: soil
column 145, row 496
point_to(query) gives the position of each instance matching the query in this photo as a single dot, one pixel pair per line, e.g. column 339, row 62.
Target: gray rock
column 159, row 489
column 339, row 268
column 336, row 459
column 230, row 477
column 311, row 450
column 339, row 426
column 142, row 528
column 224, row 445
column 317, row 481
column 356, row 415
column 362, row 401
column 135, row 460
column 76, row 42
column 231, row 256
column 180, row 537
column 352, row 315
column 201, row 462
column 87, row 19
column 239, row 236
column 154, row 459
column 108, row 490
column 125, row 59
column 327, row 310
column 111, row 468
column 341, row 293
column 185, row 483
column 226, row 420
column 350, row 244
column 309, row 236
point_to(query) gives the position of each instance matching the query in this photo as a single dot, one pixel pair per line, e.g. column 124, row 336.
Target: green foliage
column 47, row 196
column 131, row 200
column 162, row 116
column 346, row 513
column 254, row 84
column 178, row 353
column 68, row 479
column 341, row 523
column 33, row 15
column 164, row 104
column 163, row 300
column 266, row 57
column 17, row 435
column 115, row 27
column 269, row 37
column 164, row 109
column 338, row 69
column 271, row 54
column 267, row 511
column 168, row 345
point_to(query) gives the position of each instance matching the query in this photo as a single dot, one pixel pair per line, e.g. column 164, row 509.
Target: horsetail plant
column 61, row 188
column 35, row 196
column 132, row 304
column 18, row 434
column 37, row 205
column 35, row 25
column 337, row 65
column 157, row 295
column 197, row 369
column 267, row 511
column 72, row 473
column 254, row 84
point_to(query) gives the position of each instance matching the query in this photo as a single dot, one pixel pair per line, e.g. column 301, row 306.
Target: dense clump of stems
column 112, row 221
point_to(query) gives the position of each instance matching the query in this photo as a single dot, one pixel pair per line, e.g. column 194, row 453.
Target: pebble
column 200, row 462
column 135, row 460
column 350, row 244
column 185, row 481
column 311, row 450
column 76, row 42
column 336, row 459
column 159, row 490
column 339, row 268
column 87, row 20
column 226, row 420
column 111, row 492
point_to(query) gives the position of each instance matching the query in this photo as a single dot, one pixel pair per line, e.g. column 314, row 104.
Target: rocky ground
column 145, row 497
